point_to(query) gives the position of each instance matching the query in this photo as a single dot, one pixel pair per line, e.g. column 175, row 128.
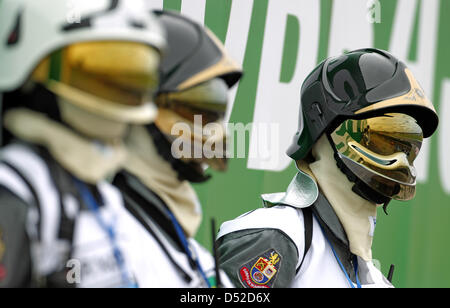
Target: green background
column 414, row 236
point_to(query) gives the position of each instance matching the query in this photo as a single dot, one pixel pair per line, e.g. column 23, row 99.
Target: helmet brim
column 413, row 103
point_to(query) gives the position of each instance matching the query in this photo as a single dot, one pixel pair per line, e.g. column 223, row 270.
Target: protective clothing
column 196, row 74
column 70, row 89
column 366, row 88
column 64, row 48
column 362, row 122
column 53, row 237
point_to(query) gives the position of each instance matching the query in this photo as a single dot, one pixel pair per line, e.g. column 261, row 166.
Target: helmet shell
column 196, row 55
column 30, row 30
column 361, row 84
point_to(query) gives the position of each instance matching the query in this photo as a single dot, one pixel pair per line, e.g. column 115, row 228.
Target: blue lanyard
column 185, row 244
column 355, row 264
column 118, row 256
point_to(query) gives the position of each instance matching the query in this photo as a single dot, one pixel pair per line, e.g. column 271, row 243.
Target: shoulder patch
column 261, row 271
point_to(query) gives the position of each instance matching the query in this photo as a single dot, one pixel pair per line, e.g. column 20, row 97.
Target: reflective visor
column 208, row 99
column 381, row 152
column 103, row 75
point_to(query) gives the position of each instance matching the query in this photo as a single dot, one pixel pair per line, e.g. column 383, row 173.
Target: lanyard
column 355, row 264
column 93, row 206
column 186, row 247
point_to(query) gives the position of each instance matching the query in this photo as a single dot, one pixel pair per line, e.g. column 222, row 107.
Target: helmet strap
column 385, row 206
column 185, row 171
column 360, row 188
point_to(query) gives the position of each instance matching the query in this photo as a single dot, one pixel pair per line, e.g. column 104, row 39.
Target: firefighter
column 74, row 76
column 167, row 156
column 362, row 123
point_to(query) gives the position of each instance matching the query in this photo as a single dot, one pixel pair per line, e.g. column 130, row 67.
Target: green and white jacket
column 294, row 241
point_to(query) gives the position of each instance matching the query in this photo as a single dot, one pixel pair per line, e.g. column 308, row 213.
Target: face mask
column 380, row 151
column 357, row 215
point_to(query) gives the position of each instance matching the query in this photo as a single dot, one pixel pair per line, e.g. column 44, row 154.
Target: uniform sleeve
column 258, row 258
column 15, row 260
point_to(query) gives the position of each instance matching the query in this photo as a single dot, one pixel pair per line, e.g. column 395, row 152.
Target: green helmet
column 339, row 97
column 360, row 84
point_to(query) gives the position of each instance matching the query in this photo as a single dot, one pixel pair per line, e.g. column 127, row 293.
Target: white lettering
column 74, row 274
column 155, row 4
column 349, row 27
column 424, row 67
column 444, row 137
column 74, row 15
column 236, row 41
column 278, row 102
column 374, row 14
column 194, row 9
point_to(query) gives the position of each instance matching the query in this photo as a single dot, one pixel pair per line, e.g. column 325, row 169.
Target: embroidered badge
column 261, row 271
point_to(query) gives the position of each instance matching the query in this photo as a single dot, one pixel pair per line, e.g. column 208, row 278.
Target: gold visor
column 381, row 152
column 115, row 79
column 208, row 99
column 201, row 110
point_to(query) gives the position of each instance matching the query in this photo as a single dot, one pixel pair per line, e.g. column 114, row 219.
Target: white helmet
column 111, row 37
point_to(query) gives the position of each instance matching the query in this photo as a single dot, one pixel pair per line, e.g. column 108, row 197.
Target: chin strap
column 385, row 206
column 360, row 188
column 186, row 171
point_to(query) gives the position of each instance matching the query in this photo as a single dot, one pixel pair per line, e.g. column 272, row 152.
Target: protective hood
column 90, row 161
column 357, row 215
column 153, row 171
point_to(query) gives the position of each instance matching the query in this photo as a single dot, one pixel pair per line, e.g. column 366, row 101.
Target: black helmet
column 360, row 84
column 195, row 55
column 196, row 75
column 342, row 93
